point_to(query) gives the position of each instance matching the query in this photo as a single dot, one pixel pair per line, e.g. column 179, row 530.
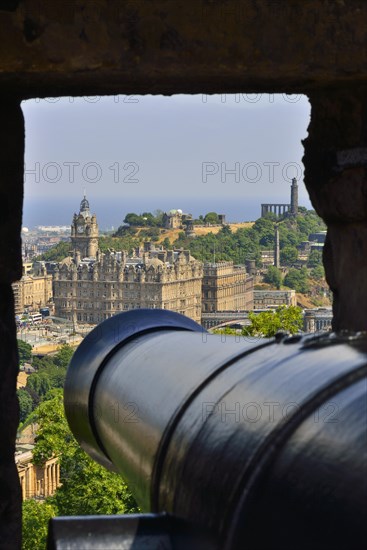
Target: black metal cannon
column 225, row 443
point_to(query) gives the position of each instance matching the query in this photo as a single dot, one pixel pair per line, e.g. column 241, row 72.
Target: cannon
column 225, row 442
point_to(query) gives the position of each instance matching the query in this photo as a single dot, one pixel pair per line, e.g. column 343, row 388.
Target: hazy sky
column 128, row 149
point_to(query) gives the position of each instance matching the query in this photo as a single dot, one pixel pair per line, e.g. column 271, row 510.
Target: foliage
column 298, row 280
column 268, row 323
column 62, row 358
column 24, row 351
column 166, row 244
column 226, row 330
column 25, row 404
column 50, row 373
column 121, row 240
column 248, row 242
column 273, row 276
column 146, row 219
column 53, row 435
column 43, row 381
column 152, row 232
column 315, row 258
column 57, row 253
column 225, row 245
column 211, row 217
column 289, row 255
column 318, row 272
column 309, row 222
column 35, row 523
column 87, row 487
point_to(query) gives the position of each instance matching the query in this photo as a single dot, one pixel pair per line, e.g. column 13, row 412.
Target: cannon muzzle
column 259, row 443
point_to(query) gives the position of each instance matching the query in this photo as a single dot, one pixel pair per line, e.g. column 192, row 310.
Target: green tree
column 62, row 358
column 318, row 272
column 315, row 258
column 133, row 219
column 36, row 516
column 57, row 253
column 25, row 352
column 51, row 372
column 298, row 280
column 159, row 215
column 268, row 323
column 166, row 243
column 288, row 255
column 87, row 487
column 39, row 382
column 25, row 404
column 226, row 231
column 123, row 239
column 53, row 436
column 211, row 217
column 273, row 276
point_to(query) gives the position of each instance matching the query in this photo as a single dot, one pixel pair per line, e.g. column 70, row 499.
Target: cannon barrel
column 262, row 443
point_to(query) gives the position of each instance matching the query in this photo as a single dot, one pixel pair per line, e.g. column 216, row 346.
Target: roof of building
column 84, row 207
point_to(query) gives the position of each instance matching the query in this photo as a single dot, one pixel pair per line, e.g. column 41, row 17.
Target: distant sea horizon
column 111, row 211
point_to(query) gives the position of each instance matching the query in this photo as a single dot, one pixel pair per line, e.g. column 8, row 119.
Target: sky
column 200, row 153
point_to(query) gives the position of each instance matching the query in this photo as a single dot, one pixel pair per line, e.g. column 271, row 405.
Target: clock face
column 80, row 229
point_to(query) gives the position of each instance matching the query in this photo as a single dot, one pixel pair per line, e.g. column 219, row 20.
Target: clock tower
column 84, row 232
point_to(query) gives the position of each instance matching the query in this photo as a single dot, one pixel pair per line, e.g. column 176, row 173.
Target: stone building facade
column 226, row 287
column 274, row 298
column 32, row 291
column 91, row 291
column 93, row 286
column 174, row 219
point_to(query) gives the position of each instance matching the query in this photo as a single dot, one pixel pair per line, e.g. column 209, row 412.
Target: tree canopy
column 211, row 217
column 51, row 371
column 315, row 258
column 87, row 487
column 268, row 323
column 25, row 404
column 273, row 276
column 36, row 516
column 288, row 255
column 297, row 279
column 56, row 253
column 25, row 352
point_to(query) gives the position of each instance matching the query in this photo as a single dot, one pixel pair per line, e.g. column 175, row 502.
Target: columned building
column 37, row 482
column 283, row 209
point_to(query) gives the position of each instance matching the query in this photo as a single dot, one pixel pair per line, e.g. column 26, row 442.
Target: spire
column 84, row 207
